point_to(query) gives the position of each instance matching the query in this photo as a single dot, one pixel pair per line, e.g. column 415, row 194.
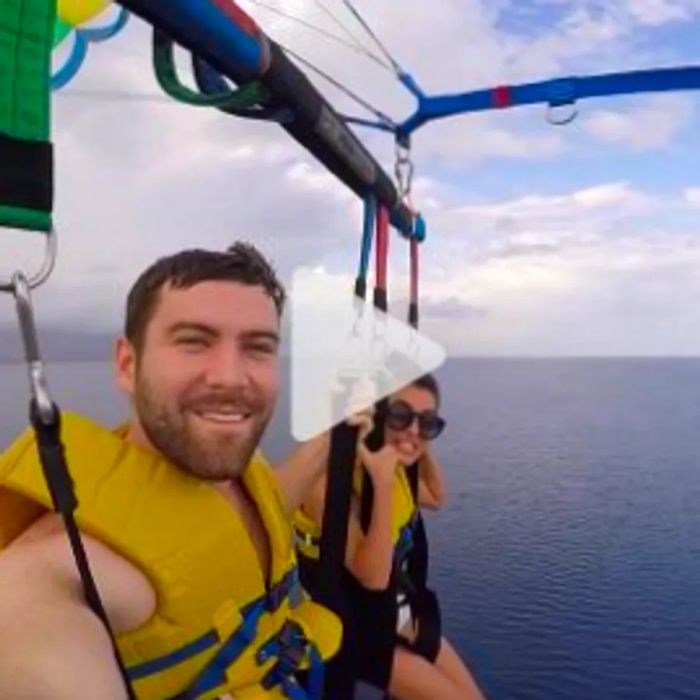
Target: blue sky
column 577, row 240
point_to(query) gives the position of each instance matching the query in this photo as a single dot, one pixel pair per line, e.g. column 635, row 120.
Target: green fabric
column 245, row 97
column 17, row 217
column 26, row 42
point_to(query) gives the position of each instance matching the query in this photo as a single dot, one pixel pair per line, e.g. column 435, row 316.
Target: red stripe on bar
column 242, row 20
column 501, row 96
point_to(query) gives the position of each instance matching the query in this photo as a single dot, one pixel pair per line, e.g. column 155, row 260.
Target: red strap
column 501, row 96
column 414, row 270
column 382, row 252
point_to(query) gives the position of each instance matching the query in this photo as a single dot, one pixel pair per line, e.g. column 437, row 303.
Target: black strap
column 26, row 173
column 425, row 607
column 374, row 442
column 60, row 484
column 424, row 604
column 330, row 588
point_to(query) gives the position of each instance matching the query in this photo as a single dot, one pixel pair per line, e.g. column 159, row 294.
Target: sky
column 543, row 240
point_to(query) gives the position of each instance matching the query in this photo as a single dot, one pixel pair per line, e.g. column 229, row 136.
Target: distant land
column 59, row 345
column 66, row 345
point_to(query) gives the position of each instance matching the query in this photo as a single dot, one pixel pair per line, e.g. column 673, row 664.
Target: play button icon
column 345, row 354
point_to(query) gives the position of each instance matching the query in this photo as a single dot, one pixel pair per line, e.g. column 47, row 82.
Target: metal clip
column 403, row 170
column 37, row 378
column 44, row 271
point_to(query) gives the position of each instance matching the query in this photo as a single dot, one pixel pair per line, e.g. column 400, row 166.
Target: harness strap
column 285, row 589
column 60, row 484
column 381, row 301
column 211, row 82
column 413, row 304
column 370, row 217
column 290, row 647
column 330, row 591
column 245, row 97
column 214, row 675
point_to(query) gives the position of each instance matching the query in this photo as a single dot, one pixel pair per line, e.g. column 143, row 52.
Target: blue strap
column 316, row 673
column 367, row 235
column 214, row 674
column 162, row 663
column 405, row 543
column 289, row 647
column 289, row 588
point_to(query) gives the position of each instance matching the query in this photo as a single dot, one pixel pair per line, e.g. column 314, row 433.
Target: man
column 187, row 530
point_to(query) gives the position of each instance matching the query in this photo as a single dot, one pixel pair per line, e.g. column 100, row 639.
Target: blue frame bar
column 556, row 93
column 205, row 28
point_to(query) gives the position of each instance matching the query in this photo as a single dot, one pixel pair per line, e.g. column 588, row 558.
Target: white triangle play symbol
column 346, row 355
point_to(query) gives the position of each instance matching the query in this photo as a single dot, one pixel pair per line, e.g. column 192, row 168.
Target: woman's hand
column 381, row 465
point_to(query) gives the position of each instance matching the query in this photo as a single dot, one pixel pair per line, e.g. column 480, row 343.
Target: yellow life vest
column 308, row 532
column 217, row 627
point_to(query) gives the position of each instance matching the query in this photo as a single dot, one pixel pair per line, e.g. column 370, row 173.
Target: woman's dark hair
column 429, row 383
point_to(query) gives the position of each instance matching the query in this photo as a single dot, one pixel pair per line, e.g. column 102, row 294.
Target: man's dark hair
column 429, row 383
column 241, row 263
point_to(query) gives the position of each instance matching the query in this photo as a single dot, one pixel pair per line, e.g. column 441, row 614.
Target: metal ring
column 44, row 271
column 554, row 109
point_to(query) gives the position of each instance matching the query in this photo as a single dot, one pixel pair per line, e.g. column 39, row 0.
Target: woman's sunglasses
column 400, row 415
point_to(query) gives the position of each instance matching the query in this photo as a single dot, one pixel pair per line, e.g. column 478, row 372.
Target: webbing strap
column 381, row 300
column 60, row 485
column 370, row 216
column 26, row 171
column 245, row 97
column 413, row 304
column 214, row 675
column 211, row 82
column 334, row 529
column 330, row 589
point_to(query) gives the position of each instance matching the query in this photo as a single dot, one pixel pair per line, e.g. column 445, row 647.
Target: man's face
column 205, row 383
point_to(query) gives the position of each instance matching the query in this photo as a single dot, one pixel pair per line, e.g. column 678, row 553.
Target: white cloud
column 515, row 266
column 657, row 12
column 558, row 212
column 653, row 125
column 692, row 196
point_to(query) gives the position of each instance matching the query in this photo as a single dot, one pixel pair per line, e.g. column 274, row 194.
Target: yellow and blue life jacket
column 404, row 512
column 370, row 616
column 218, row 626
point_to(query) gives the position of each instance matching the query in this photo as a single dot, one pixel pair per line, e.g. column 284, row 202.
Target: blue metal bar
column 408, row 81
column 214, row 28
column 224, row 36
column 553, row 92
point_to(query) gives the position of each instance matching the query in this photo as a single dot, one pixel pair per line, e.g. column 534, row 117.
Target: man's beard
column 214, row 457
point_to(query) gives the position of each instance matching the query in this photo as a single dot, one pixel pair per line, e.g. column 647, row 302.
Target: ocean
column 567, row 558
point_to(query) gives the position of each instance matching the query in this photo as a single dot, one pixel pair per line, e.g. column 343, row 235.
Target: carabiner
column 44, row 271
column 37, row 378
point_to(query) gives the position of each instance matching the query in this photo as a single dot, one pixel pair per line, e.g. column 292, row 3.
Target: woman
column 379, row 545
